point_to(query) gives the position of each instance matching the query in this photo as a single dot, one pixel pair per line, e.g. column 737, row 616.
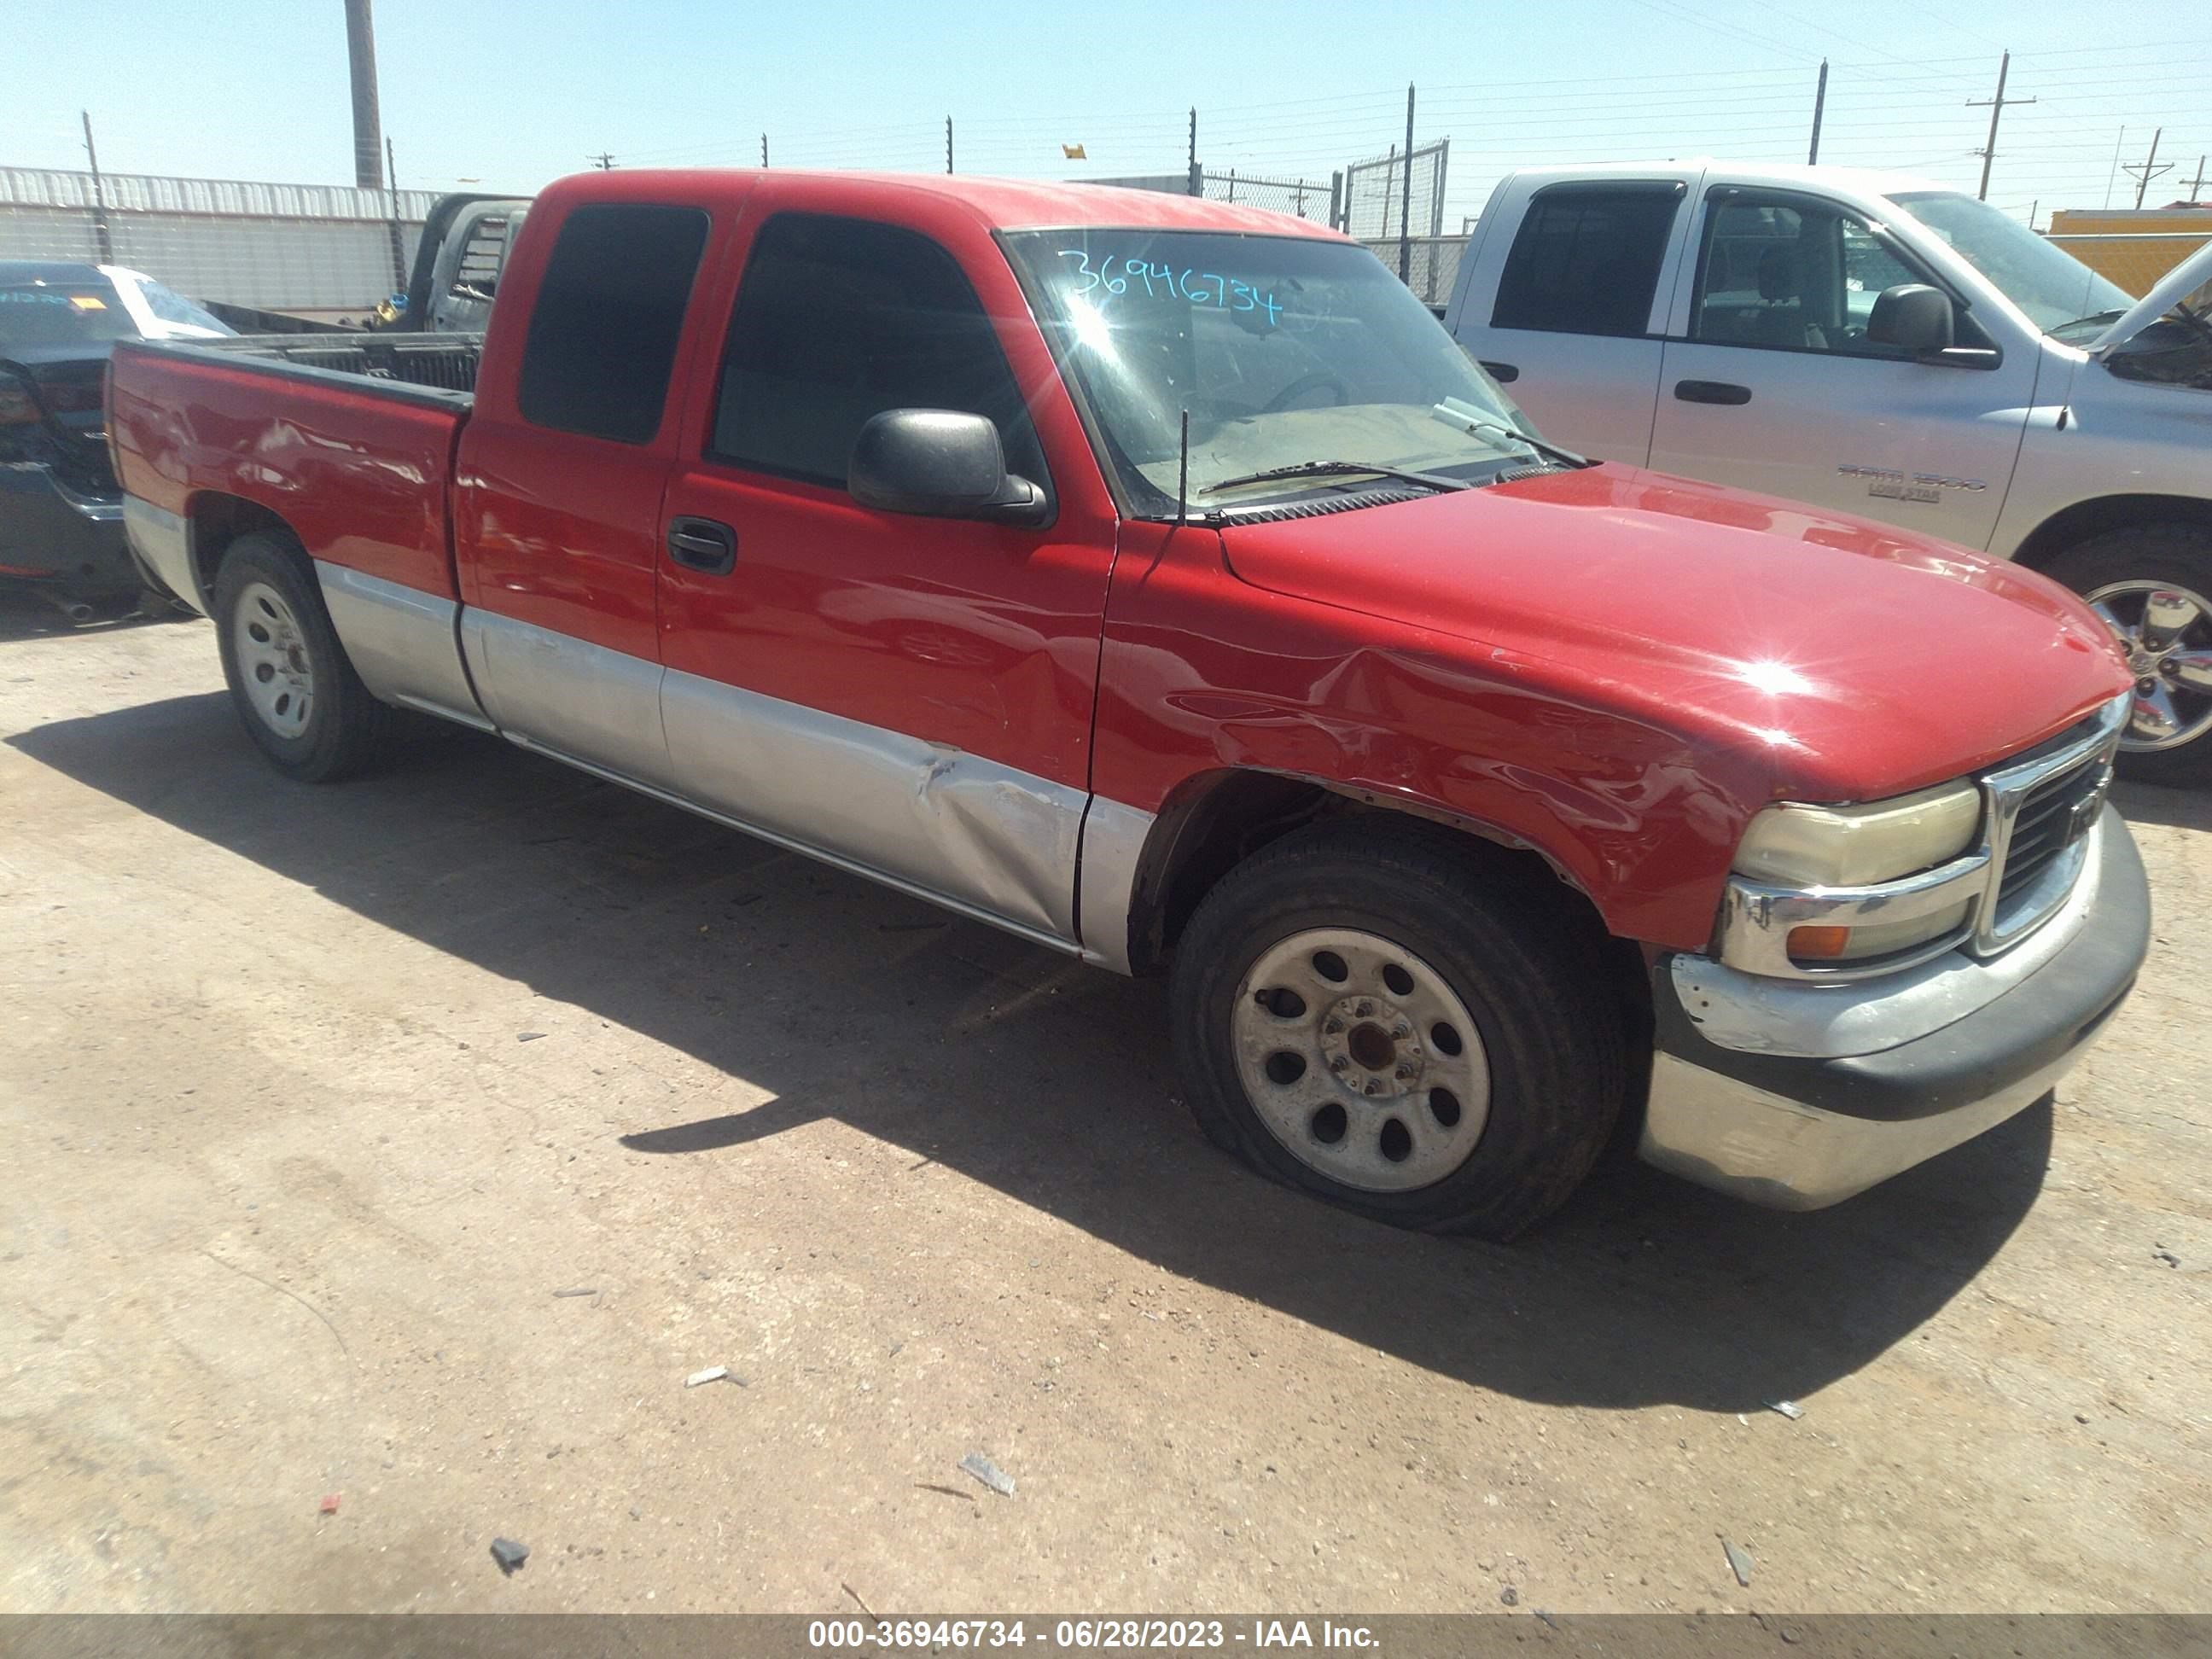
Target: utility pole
column 604, row 162
column 1405, row 199
column 1197, row 179
column 764, row 149
column 99, row 197
column 367, row 129
column 399, row 242
column 2149, row 167
column 1997, row 107
column 2196, row 190
column 948, row 143
column 1819, row 105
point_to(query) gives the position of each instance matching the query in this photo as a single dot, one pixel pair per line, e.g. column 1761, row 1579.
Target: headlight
column 1793, row 846
column 1813, row 850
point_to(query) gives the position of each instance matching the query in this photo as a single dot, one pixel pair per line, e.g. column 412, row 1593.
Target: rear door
column 560, row 477
column 910, row 696
column 1771, row 384
column 1577, row 297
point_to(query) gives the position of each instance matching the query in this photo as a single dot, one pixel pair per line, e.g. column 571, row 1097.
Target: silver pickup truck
column 1888, row 346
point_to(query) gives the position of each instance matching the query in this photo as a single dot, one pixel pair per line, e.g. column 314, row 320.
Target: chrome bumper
column 1798, row 1095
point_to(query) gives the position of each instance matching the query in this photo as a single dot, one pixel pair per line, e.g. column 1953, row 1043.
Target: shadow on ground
column 1046, row 1080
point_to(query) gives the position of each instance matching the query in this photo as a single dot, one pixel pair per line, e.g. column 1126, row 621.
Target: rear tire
column 2117, row 572
column 295, row 692
column 1318, row 1002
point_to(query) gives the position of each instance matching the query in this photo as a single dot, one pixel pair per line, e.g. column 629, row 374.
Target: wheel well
column 1215, row 822
column 2076, row 524
column 217, row 520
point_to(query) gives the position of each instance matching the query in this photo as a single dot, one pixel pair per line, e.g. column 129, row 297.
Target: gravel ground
column 411, row 1143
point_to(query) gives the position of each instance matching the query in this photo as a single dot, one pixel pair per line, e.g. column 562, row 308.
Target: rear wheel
column 295, row 690
column 2152, row 586
column 1367, row 1014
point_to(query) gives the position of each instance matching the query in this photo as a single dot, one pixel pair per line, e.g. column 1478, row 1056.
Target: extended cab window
column 838, row 320
column 1587, row 259
column 1793, row 274
column 603, row 337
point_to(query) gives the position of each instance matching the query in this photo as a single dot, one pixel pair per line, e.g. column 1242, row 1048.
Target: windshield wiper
column 1452, row 412
column 1328, row 468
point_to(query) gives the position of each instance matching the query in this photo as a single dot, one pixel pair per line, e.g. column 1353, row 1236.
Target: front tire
column 295, row 692
column 2152, row 586
column 1366, row 1012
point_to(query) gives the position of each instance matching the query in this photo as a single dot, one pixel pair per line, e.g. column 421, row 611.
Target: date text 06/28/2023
column 1083, row 1634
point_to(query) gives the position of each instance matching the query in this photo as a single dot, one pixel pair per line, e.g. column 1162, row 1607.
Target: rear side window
column 1586, row 259
column 603, row 337
column 838, row 320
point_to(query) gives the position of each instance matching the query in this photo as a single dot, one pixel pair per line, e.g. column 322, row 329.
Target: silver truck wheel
column 1361, row 1060
column 2166, row 632
column 278, row 674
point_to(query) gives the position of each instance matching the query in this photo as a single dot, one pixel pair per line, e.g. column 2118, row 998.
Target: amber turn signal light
column 1819, row 943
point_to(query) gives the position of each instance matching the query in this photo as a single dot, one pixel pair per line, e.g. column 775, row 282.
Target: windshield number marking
column 1201, row 287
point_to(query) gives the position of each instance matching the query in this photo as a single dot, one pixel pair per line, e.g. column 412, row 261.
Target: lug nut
column 1373, row 1087
column 1405, row 1071
column 1333, row 1027
column 1401, row 1030
column 1337, row 1063
column 1365, row 1009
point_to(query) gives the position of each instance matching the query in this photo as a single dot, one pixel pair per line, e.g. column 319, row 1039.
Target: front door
column 911, row 697
column 1771, row 383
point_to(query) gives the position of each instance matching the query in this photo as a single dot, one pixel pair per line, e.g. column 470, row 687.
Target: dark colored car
column 61, row 516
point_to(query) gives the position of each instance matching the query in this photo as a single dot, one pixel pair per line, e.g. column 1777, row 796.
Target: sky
column 504, row 96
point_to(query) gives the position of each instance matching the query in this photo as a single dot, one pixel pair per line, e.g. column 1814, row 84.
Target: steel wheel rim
column 273, row 664
column 2167, row 632
column 1331, row 1064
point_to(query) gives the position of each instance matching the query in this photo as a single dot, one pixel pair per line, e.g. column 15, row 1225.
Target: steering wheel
column 1319, row 379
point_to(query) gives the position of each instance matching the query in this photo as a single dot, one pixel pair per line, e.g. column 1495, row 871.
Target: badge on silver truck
column 1891, row 484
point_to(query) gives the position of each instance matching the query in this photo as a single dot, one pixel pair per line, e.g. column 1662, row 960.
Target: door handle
column 1503, row 373
column 1711, row 392
column 703, row 544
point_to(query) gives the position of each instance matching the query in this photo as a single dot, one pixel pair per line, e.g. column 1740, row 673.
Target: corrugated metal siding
column 276, row 247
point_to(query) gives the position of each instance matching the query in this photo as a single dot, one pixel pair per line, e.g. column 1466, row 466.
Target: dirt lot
column 315, row 1103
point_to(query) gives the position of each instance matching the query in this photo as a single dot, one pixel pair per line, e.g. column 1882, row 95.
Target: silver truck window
column 1792, row 274
column 2043, row 279
column 1586, row 259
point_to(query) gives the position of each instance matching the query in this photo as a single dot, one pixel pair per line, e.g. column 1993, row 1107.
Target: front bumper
column 1798, row 1095
column 50, row 534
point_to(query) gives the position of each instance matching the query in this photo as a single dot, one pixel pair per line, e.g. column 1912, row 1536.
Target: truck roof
column 1872, row 181
column 998, row 204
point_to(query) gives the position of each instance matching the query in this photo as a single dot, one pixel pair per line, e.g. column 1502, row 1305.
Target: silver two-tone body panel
column 982, row 838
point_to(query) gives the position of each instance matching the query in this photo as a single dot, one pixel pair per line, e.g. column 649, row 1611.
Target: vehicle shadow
column 1048, row 1081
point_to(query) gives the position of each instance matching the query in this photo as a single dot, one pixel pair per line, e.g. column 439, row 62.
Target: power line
column 1996, row 108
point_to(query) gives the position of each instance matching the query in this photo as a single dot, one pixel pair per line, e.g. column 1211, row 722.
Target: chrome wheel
column 2167, row 632
column 1361, row 1060
column 272, row 659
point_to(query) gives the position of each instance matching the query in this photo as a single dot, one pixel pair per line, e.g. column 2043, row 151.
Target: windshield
column 1285, row 350
column 37, row 313
column 171, row 308
column 2043, row 279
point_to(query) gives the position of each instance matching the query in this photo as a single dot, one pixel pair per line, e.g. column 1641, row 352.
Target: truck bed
column 348, row 438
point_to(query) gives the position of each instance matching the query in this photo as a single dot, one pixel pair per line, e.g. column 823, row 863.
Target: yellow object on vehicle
column 2132, row 247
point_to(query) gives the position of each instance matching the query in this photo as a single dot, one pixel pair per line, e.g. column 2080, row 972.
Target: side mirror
column 939, row 464
column 1913, row 317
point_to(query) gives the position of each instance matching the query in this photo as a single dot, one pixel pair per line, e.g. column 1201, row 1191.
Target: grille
column 2054, row 814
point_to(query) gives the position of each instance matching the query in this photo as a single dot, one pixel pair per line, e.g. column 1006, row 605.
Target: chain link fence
column 1375, row 195
column 1432, row 267
column 1300, row 198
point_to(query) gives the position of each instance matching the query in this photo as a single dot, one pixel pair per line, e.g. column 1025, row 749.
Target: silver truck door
column 1568, row 301
column 1769, row 380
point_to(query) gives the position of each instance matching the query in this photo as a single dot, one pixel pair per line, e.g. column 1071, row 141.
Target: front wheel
column 1366, row 1013
column 295, row 692
column 2152, row 586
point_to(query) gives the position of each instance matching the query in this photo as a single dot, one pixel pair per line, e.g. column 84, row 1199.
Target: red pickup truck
column 1156, row 579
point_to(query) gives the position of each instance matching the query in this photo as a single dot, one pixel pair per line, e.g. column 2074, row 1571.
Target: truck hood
column 1842, row 659
column 2168, row 291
